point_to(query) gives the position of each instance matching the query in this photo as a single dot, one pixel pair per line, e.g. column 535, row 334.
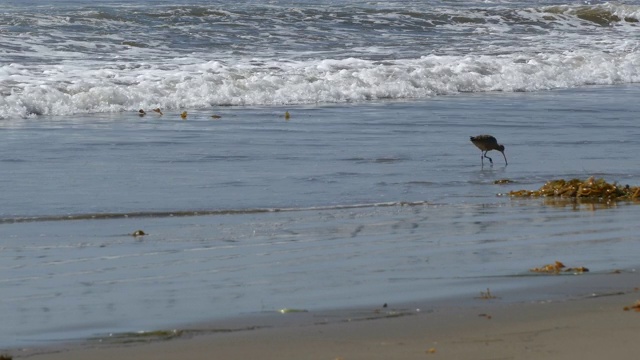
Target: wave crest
column 60, row 90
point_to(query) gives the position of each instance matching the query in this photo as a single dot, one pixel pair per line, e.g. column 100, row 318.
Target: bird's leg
column 485, row 155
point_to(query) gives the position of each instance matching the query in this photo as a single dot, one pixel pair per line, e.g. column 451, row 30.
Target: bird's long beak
column 505, row 158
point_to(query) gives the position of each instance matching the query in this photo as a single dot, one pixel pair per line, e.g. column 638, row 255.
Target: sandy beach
column 591, row 324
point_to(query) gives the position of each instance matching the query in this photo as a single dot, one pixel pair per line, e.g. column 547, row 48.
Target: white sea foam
column 69, row 89
column 123, row 58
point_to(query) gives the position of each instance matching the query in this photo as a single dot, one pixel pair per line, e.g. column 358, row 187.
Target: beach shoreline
column 488, row 326
column 289, row 186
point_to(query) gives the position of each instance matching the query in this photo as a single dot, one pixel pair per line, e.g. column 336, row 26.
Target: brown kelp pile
column 635, row 307
column 557, row 268
column 592, row 188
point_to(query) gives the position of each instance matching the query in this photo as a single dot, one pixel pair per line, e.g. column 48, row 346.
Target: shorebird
column 487, row 143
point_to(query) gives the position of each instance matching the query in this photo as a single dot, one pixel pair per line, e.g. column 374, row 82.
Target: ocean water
column 369, row 193
column 64, row 58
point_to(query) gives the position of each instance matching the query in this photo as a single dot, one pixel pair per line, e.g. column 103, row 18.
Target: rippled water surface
column 338, row 206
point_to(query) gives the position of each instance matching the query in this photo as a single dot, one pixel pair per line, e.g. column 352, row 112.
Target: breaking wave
column 115, row 59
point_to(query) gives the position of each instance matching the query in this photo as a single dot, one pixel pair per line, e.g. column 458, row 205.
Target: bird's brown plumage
column 487, row 143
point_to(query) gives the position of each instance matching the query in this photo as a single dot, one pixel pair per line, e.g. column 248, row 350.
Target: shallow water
column 378, row 202
column 72, row 280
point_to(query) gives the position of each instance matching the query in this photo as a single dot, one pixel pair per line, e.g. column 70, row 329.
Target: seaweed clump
column 635, row 307
column 602, row 17
column 596, row 189
column 557, row 268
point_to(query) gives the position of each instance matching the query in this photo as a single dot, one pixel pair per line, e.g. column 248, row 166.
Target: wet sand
column 590, row 323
